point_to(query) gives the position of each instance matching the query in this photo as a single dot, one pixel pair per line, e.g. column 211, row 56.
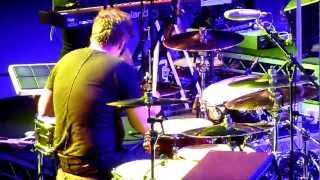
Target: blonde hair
column 110, row 27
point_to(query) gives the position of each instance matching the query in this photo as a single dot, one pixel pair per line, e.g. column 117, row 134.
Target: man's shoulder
column 76, row 53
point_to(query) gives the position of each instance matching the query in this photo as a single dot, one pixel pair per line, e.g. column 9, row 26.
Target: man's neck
column 106, row 49
column 97, row 47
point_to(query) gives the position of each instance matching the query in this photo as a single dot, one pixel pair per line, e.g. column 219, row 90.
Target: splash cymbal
column 203, row 40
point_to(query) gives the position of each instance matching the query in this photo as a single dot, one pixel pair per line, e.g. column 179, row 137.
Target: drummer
column 88, row 135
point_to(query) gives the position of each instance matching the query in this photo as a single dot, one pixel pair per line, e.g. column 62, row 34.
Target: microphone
column 244, row 14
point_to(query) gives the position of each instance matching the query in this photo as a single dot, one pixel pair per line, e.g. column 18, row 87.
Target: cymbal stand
column 144, row 33
column 202, row 68
column 292, row 64
column 150, row 79
column 151, row 120
column 275, row 108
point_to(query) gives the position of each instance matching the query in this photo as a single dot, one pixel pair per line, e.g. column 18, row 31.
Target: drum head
column 221, row 92
column 178, row 126
column 47, row 119
column 164, row 169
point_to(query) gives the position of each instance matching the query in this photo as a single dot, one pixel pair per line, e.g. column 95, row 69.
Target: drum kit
column 215, row 129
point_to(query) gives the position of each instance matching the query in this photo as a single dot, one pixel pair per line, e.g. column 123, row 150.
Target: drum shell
column 217, row 113
column 44, row 136
column 173, row 137
column 168, row 144
column 163, row 168
column 197, row 152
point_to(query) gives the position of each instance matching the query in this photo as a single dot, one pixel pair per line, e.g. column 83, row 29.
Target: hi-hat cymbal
column 207, row 40
column 143, row 101
column 220, row 131
column 263, row 99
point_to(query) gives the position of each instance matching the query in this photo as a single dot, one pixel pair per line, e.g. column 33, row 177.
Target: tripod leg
column 189, row 62
column 176, row 77
column 155, row 64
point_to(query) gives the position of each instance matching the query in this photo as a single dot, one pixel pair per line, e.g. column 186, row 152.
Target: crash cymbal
column 264, row 81
column 263, row 99
column 203, row 40
column 220, row 131
column 142, row 101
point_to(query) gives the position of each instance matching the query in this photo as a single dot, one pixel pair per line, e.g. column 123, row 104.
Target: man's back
column 84, row 81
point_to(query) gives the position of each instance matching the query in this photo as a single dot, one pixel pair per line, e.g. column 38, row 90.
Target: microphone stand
column 291, row 62
column 149, row 89
column 153, row 134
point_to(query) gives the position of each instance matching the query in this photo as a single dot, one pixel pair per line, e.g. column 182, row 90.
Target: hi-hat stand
column 305, row 138
column 292, row 65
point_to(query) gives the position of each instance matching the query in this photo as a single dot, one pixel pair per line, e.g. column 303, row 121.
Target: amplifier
column 257, row 39
column 258, row 61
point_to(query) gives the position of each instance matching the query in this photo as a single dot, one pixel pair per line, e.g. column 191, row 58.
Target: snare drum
column 163, row 169
column 44, row 134
column 197, row 152
column 178, row 126
column 173, row 137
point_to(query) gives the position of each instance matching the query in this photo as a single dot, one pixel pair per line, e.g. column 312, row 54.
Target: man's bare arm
column 137, row 118
column 45, row 103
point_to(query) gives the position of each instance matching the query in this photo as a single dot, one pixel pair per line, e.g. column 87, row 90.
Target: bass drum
column 197, row 152
column 163, row 169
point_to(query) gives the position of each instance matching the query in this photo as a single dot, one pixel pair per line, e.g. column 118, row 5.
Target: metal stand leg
column 275, row 134
column 40, row 165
